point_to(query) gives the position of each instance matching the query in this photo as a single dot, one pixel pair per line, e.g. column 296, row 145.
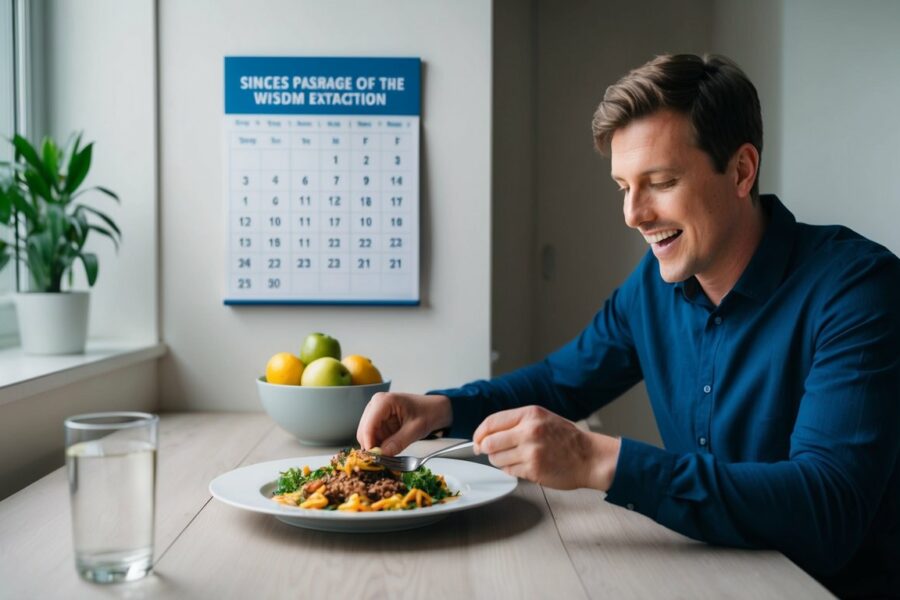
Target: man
column 770, row 350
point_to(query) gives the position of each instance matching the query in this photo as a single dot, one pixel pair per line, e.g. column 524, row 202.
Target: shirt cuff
column 643, row 474
column 466, row 413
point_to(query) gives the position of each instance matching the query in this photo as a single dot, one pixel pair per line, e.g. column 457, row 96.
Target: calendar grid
column 318, row 204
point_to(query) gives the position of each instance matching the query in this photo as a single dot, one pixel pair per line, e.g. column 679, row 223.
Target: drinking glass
column 111, row 463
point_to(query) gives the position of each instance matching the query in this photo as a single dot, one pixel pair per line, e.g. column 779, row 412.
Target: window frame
column 20, row 35
column 8, row 104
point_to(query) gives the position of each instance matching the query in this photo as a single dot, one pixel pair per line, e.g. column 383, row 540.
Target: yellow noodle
column 317, row 500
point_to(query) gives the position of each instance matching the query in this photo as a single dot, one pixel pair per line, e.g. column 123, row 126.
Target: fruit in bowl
column 284, row 369
column 325, row 372
column 319, row 345
column 321, row 401
column 362, row 371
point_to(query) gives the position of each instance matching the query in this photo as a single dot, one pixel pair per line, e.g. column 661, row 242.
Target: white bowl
column 318, row 416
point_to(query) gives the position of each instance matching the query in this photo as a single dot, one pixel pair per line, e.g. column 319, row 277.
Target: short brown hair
column 712, row 90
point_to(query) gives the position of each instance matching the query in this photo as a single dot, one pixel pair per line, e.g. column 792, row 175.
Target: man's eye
column 663, row 185
column 623, row 190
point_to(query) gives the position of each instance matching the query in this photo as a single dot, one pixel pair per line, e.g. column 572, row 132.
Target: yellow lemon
column 284, row 369
column 362, row 371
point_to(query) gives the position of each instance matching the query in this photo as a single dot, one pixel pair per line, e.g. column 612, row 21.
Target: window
column 20, row 112
column 7, row 75
column 8, row 333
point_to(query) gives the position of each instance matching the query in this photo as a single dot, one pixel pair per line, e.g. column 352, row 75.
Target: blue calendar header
column 332, row 86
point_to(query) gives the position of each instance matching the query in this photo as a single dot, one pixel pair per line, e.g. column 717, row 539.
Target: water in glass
column 112, row 495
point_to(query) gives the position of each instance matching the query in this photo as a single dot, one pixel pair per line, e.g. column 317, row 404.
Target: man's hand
column 394, row 420
column 533, row 443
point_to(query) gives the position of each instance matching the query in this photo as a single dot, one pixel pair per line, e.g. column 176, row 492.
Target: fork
column 411, row 463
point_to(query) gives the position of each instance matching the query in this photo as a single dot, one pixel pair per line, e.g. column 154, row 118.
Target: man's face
column 673, row 196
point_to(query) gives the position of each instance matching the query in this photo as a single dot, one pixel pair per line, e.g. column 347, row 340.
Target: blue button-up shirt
column 779, row 409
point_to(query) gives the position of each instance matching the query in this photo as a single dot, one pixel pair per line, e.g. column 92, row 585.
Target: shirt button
column 702, row 441
column 707, row 389
column 629, row 506
column 717, row 320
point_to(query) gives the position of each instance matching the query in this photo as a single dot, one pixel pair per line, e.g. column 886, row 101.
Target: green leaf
column 56, row 223
column 64, row 260
column 26, row 150
column 423, row 479
column 109, row 222
column 108, row 192
column 107, row 233
column 79, row 165
column 23, row 205
column 39, row 250
column 6, row 205
column 51, row 160
column 98, row 188
column 293, row 479
column 76, row 144
column 38, row 185
column 79, row 228
column 90, row 266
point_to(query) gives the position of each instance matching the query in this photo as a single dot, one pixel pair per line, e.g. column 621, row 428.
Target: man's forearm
column 441, row 413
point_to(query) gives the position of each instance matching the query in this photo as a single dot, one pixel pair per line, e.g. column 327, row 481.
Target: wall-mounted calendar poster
column 322, row 180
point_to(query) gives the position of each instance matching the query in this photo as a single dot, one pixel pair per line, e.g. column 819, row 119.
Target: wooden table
column 536, row 543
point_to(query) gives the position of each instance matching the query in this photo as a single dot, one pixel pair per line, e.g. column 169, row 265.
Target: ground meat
column 339, row 486
column 374, row 485
column 385, row 488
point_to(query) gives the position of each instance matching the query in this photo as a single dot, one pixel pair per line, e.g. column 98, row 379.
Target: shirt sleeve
column 590, row 371
column 817, row 505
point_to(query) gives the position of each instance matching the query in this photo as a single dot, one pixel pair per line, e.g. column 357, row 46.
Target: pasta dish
column 355, row 482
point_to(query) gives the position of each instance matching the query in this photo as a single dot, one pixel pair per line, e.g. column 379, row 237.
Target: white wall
column 835, row 86
column 840, row 89
column 216, row 351
column 100, row 79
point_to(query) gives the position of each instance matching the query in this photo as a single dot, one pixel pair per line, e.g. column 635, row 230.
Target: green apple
column 325, row 371
column 317, row 345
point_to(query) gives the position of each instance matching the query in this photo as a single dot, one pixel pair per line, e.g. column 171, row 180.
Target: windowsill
column 23, row 375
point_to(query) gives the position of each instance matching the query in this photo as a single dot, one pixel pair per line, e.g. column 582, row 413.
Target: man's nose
column 636, row 208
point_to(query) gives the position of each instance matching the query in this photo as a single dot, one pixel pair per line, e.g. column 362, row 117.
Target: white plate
column 250, row 488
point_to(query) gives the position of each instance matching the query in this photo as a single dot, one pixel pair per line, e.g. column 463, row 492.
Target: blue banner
column 329, row 86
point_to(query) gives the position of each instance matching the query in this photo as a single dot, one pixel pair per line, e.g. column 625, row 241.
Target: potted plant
column 47, row 228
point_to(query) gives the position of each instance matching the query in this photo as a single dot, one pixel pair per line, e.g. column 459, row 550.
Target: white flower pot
column 53, row 323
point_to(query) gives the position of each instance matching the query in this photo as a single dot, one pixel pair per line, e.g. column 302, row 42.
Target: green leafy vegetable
column 423, row 479
column 293, row 479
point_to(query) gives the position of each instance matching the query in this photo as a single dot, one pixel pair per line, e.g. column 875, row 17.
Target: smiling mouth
column 663, row 238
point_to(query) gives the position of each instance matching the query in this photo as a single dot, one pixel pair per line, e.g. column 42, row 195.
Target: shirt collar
column 766, row 269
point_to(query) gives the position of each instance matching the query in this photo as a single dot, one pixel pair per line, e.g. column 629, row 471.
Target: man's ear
column 746, row 166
